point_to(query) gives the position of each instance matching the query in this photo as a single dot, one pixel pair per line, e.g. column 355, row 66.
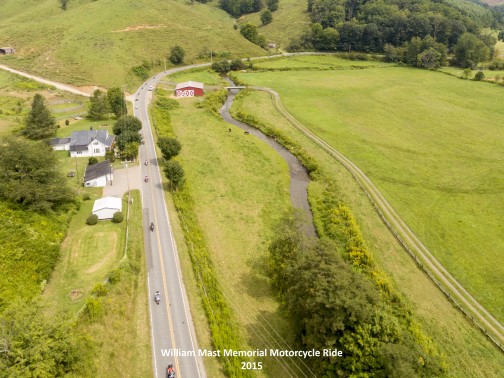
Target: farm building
column 7, row 50
column 90, row 143
column 105, row 207
column 60, row 144
column 99, row 174
column 189, row 89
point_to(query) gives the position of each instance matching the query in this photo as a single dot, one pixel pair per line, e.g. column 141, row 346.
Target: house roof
column 186, row 84
column 58, row 141
column 107, row 203
column 85, row 137
column 97, row 170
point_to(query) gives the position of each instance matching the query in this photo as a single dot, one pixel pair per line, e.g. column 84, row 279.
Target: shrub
column 99, row 290
column 237, row 65
column 92, row 160
column 221, row 66
column 92, row 220
column 67, row 122
column 118, row 217
column 266, row 17
column 114, row 276
column 86, row 197
column 94, row 309
column 479, row 76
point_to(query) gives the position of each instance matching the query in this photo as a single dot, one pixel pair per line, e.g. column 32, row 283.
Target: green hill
column 98, row 42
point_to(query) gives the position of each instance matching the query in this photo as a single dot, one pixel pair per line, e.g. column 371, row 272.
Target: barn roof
column 97, row 170
column 107, row 203
column 193, row 84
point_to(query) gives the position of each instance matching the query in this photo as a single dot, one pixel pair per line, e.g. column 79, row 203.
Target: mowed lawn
column 433, row 144
column 240, row 188
column 88, row 253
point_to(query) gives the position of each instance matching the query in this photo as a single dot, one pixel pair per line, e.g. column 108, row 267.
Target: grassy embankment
column 466, row 349
column 239, row 189
column 430, row 143
column 98, row 42
column 90, row 256
column 289, row 21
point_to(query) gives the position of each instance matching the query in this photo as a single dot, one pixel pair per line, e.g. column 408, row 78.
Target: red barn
column 189, row 89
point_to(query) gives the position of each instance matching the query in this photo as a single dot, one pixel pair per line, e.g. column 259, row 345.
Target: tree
column 221, row 66
column 92, row 160
column 177, row 55
column 30, row 176
column 479, row 76
column 129, row 150
column 469, row 51
column 99, row 105
column 127, row 123
column 500, row 37
column 237, row 65
column 249, row 31
column 272, row 5
column 266, row 17
column 175, row 173
column 170, row 147
column 39, row 123
column 117, row 102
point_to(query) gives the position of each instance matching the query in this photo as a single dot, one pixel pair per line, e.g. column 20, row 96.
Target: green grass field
column 467, row 351
column 240, row 187
column 431, row 143
column 289, row 21
column 98, row 42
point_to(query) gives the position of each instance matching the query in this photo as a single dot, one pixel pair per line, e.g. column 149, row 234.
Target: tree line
column 377, row 25
column 331, row 304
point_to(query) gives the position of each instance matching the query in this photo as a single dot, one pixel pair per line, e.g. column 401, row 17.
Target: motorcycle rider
column 146, row 178
column 157, row 297
column 170, row 371
column 146, row 162
column 152, row 226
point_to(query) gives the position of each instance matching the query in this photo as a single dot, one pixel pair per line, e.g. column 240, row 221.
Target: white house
column 60, row 144
column 90, row 143
column 99, row 174
column 105, row 207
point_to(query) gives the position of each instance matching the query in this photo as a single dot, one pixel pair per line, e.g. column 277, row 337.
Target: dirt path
column 299, row 178
column 453, row 290
column 63, row 87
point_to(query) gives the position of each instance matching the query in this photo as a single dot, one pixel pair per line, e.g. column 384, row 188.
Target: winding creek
column 299, row 178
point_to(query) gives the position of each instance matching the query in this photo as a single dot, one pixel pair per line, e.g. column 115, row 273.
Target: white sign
column 185, row 93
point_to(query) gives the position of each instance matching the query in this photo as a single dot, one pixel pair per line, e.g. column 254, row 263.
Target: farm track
column 453, row 290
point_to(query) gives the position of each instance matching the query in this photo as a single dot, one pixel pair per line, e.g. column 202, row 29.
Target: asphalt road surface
column 171, row 323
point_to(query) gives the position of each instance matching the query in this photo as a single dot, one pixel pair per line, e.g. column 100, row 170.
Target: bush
column 92, row 160
column 67, row 122
column 114, row 276
column 222, row 66
column 118, row 217
column 237, row 65
column 86, row 197
column 479, row 76
column 99, row 290
column 92, row 220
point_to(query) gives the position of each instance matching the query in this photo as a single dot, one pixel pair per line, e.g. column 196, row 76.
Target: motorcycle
column 157, row 298
column 146, row 179
column 146, row 162
column 170, row 371
column 151, row 226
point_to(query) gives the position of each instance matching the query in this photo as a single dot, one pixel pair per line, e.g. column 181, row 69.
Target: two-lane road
column 171, row 323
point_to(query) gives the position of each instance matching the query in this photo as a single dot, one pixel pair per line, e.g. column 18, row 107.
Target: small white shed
column 105, row 207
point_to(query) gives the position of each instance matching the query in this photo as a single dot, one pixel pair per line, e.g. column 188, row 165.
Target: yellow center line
column 165, row 288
